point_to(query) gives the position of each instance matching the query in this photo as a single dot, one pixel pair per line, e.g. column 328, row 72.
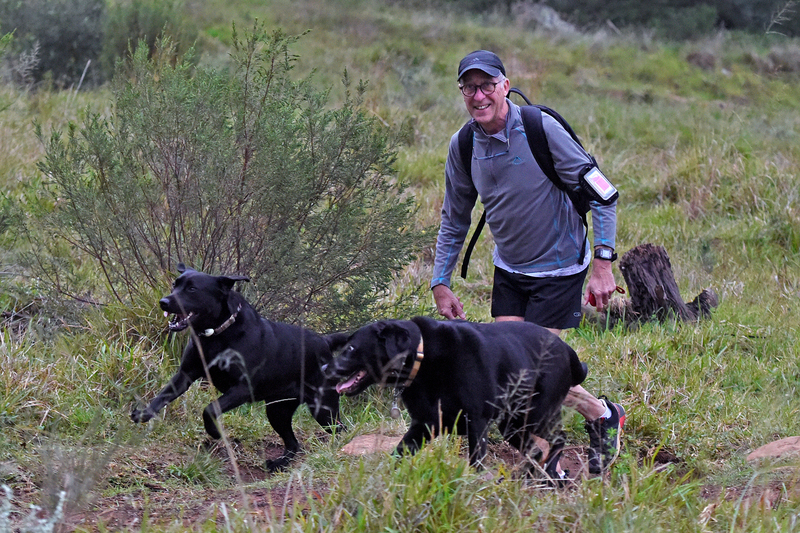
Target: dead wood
column 653, row 292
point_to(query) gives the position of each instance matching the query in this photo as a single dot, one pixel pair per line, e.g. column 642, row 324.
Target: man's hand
column 601, row 284
column 448, row 305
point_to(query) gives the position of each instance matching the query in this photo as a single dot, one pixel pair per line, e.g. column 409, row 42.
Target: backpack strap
column 465, row 136
column 537, row 141
column 471, row 245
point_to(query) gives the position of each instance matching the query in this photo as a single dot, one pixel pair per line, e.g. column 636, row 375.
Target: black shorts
column 549, row 302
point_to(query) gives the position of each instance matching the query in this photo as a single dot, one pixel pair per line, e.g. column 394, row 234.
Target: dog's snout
column 164, row 303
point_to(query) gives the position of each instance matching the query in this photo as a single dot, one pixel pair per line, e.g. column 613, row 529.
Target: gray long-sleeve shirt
column 536, row 229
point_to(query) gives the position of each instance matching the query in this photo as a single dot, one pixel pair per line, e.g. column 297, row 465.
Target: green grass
column 707, row 163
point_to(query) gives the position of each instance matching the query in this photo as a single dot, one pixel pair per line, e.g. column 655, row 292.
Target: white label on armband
column 600, row 184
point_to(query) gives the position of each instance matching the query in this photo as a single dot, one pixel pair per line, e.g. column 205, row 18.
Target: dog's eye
column 191, row 288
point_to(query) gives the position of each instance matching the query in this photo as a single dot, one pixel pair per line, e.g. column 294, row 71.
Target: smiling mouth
column 179, row 322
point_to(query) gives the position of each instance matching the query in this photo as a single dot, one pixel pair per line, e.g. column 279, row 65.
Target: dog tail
column 578, row 368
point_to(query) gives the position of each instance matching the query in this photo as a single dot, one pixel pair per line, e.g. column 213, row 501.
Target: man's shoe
column 555, row 478
column 604, row 438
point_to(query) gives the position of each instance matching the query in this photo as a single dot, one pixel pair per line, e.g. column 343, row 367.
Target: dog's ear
column 396, row 339
column 227, row 282
column 183, row 268
column 336, row 341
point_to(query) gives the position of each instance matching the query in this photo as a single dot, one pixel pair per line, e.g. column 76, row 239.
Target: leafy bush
column 248, row 173
column 67, row 33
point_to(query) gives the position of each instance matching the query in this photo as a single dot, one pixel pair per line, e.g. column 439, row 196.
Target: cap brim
column 488, row 69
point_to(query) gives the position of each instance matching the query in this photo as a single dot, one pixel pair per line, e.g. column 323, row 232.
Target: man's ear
column 506, row 87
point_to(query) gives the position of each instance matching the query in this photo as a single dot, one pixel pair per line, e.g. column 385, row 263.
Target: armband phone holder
column 597, row 186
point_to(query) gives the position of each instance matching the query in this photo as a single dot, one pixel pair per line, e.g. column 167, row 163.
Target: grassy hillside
column 702, row 140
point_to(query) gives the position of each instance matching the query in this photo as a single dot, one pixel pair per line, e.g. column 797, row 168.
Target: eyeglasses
column 486, row 88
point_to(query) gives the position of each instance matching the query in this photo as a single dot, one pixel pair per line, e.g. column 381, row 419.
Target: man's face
column 488, row 110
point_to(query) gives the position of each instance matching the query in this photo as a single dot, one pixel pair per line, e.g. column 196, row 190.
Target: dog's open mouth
column 351, row 383
column 178, row 322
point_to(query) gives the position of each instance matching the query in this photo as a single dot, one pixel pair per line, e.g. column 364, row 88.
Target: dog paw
column 142, row 415
column 210, row 444
column 277, row 465
column 281, row 463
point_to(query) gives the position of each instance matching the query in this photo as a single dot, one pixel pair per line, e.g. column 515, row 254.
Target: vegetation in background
column 74, row 43
column 245, row 174
column 681, row 19
column 131, row 22
column 65, row 37
column 700, row 136
column 671, row 19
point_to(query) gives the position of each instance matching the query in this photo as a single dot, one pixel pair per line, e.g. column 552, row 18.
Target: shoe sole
column 618, row 437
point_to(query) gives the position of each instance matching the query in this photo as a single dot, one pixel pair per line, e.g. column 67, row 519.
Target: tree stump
column 653, row 291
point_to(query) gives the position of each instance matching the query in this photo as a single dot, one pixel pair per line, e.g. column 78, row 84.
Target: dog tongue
column 345, row 385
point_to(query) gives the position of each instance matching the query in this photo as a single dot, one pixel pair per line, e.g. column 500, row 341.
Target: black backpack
column 537, row 140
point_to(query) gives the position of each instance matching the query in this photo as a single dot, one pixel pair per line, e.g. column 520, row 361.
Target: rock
column 779, row 449
column 368, row 444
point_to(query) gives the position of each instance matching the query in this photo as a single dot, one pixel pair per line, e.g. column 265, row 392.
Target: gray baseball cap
column 482, row 60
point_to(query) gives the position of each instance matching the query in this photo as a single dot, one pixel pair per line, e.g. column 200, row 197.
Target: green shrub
column 248, row 173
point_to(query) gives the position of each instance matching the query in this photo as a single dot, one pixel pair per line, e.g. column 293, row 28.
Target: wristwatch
column 605, row 253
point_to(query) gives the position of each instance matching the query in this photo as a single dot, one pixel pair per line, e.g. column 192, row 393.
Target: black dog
column 466, row 375
column 246, row 357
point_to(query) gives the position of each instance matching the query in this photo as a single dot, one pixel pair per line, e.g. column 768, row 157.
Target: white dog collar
column 209, row 332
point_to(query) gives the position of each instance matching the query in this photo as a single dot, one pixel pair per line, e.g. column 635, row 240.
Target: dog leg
column 417, row 434
column 233, row 398
column 476, row 438
column 557, row 476
column 179, row 384
column 325, row 410
column 280, row 414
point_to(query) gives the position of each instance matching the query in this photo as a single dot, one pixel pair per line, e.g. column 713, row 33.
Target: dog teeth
column 179, row 322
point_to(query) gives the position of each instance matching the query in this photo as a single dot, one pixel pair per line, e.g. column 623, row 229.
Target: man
column 539, row 236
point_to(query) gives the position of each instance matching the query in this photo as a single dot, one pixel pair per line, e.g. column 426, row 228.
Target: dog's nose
column 164, row 303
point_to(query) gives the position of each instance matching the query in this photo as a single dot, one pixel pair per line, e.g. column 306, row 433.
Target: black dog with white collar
column 246, row 357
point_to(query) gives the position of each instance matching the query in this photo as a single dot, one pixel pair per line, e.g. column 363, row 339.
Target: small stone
column 779, row 449
column 368, row 444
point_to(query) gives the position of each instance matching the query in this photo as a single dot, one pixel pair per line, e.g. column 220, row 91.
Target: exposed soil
column 162, row 503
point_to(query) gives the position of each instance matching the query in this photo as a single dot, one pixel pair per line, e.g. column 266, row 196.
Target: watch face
column 604, row 253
